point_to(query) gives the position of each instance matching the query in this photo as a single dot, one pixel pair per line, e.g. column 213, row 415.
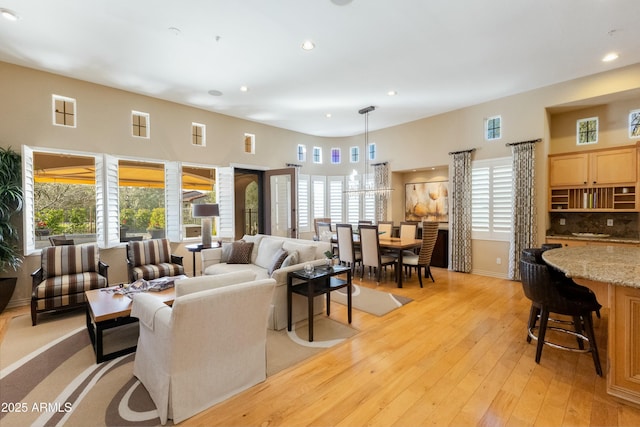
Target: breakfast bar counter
column 618, row 270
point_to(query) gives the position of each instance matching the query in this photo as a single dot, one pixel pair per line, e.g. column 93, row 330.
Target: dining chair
column 423, row 258
column 317, row 221
column 371, row 255
column 365, row 222
column 346, row 250
column 408, row 229
column 385, row 228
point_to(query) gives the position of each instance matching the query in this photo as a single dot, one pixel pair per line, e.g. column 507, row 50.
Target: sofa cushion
column 277, row 260
column 70, row 259
column 201, row 283
column 306, row 252
column 154, row 251
column 215, row 269
column 240, row 252
column 266, row 251
column 226, row 251
column 66, row 290
column 153, row 271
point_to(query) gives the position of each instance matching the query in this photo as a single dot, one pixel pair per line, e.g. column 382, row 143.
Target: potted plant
column 11, row 198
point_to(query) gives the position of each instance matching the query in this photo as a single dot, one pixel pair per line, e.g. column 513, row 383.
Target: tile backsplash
column 625, row 224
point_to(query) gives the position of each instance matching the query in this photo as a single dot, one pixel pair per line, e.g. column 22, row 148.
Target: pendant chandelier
column 368, row 186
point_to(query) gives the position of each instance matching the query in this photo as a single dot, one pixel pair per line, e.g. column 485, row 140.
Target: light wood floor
column 456, row 355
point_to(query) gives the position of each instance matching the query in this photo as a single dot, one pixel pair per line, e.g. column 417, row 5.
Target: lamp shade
column 204, row 210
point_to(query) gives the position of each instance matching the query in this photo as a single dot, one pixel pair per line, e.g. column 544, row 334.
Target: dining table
column 394, row 244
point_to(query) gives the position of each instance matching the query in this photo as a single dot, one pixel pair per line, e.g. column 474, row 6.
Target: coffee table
column 107, row 310
column 322, row 280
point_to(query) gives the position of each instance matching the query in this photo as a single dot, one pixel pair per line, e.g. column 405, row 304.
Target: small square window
column 587, row 131
column 335, row 156
column 64, row 111
column 302, row 153
column 249, row 143
column 317, row 155
column 140, row 124
column 634, row 124
column 493, row 128
column 371, row 151
column 198, row 134
column 354, row 154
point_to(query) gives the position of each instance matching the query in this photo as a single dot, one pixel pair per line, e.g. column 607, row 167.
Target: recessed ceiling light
column 214, row 92
column 308, row 45
column 341, row 2
column 9, row 15
column 174, row 30
column 328, row 115
column 392, row 93
column 244, row 89
column 610, row 57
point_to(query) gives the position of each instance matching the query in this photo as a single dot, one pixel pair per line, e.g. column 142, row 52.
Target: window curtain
column 460, row 213
column 524, row 225
column 381, row 181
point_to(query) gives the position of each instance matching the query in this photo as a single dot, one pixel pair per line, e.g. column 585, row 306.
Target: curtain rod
column 379, row 164
column 462, row 151
column 522, row 142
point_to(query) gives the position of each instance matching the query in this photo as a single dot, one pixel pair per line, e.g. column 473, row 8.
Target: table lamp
column 206, row 211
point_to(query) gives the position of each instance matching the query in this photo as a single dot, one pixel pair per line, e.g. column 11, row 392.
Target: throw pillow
column 240, row 253
column 226, row 251
column 291, row 259
column 277, row 260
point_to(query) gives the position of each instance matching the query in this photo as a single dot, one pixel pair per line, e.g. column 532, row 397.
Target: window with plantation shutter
column 336, row 189
column 318, row 196
column 491, row 199
column 304, row 220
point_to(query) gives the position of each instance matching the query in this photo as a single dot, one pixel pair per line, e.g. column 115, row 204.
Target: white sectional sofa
column 265, row 247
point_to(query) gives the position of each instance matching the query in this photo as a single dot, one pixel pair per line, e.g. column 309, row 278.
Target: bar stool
column 548, row 298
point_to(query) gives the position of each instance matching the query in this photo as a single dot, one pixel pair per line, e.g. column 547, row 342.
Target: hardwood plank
column 456, row 355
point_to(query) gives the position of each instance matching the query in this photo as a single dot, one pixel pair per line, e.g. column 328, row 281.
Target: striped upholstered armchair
column 151, row 259
column 65, row 273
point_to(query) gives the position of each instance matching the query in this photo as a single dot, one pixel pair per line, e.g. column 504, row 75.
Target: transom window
column 317, row 155
column 493, row 128
column 198, row 134
column 371, row 151
column 140, row 124
column 587, row 131
column 64, row 111
column 335, row 156
column 354, row 156
column 301, row 153
column 249, row 143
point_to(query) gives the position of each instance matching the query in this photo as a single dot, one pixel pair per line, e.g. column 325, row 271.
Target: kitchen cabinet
column 623, row 378
column 616, row 166
column 604, row 180
column 599, row 242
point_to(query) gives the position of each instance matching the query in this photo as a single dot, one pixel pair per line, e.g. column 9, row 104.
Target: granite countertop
column 629, row 240
column 616, row 265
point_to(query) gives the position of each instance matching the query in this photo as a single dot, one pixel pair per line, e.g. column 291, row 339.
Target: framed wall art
column 426, row 201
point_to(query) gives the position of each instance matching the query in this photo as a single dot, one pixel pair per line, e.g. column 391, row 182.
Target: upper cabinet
column 594, row 168
column 604, row 180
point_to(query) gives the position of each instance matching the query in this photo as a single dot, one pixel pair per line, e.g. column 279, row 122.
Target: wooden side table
column 322, row 280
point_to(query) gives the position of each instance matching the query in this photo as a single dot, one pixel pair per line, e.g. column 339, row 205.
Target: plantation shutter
column 173, row 200
column 28, row 215
column 226, row 200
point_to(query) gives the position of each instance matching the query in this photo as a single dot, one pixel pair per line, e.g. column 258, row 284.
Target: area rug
column 48, row 374
column 369, row 300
